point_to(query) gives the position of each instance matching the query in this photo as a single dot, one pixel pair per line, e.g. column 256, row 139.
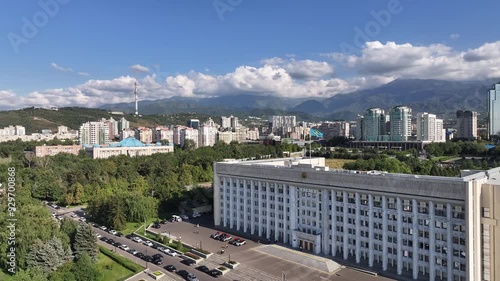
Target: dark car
column 111, row 241
column 157, row 256
column 157, row 261
column 182, row 273
column 129, row 236
column 105, row 239
column 188, row 262
column 156, row 225
column 140, row 255
column 214, row 273
column 170, row 268
column 119, row 234
column 164, row 222
column 117, row 244
column 203, row 268
column 147, row 258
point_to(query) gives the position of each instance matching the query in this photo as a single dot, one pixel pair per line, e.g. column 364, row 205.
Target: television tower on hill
column 136, row 100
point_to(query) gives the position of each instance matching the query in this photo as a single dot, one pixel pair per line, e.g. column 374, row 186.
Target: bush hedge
column 128, row 264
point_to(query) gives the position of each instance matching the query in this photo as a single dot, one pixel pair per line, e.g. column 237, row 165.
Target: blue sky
column 86, row 49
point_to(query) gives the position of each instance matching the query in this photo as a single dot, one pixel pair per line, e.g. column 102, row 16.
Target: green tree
column 180, row 247
column 69, row 227
column 86, row 242
column 30, row 274
column 48, row 257
column 86, row 269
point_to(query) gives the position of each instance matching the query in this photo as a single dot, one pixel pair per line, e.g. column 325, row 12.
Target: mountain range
column 440, row 97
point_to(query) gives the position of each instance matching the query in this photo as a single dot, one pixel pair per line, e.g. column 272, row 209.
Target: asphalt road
column 146, row 250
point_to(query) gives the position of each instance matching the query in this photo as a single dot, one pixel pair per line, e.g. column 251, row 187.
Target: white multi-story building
column 123, row 124
column 419, row 227
column 334, row 129
column 162, row 134
column 189, row 134
column 177, row 134
column 13, row 131
column 430, row 128
column 129, row 147
column 230, row 122
column 207, row 133
column 280, row 124
column 466, row 125
column 62, row 130
column 400, row 123
column 494, row 110
column 143, row 134
column 94, row 133
column 126, row 133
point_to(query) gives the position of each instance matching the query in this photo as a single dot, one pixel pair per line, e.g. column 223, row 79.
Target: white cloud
column 60, row 68
column 435, row 61
column 83, row 74
column 139, row 68
column 377, row 64
column 454, row 36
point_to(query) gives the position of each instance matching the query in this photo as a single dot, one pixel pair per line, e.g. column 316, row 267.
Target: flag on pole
column 316, row 133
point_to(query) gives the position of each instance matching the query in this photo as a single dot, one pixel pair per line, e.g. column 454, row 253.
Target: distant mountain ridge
column 440, row 97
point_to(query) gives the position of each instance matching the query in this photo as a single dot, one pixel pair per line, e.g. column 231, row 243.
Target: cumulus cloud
column 139, row 68
column 435, row 61
column 377, row 64
column 454, row 36
column 302, row 69
column 60, row 68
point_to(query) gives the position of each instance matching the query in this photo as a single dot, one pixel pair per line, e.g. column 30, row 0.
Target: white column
column 224, row 201
column 370, row 231
column 285, row 231
column 346, row 244
column 415, row 238
column 238, row 204
column 231, row 207
column 268, row 212
column 432, row 241
column 384, row 233
column 399, row 233
column 260, row 208
column 252, row 207
column 245, row 206
column 450, row 240
column 358, row 230
column 293, row 216
column 325, row 230
column 334, row 222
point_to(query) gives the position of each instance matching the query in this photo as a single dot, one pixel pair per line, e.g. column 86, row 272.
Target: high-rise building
column 13, row 131
column 419, row 227
column 400, row 123
column 123, row 124
column 230, row 122
column 163, row 134
column 177, row 134
column 144, row 135
column 430, row 128
column 189, row 134
column 466, row 125
column 282, row 124
column 62, row 130
column 360, row 124
column 494, row 110
column 335, row 129
column 194, row 123
column 92, row 133
column 374, row 124
column 207, row 133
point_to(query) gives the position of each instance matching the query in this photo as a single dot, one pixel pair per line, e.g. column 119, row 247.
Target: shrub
column 193, row 256
column 128, row 264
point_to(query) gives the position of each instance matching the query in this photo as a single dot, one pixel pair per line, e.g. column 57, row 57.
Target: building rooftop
column 131, row 142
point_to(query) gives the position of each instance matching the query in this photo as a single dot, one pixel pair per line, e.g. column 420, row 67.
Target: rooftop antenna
column 136, row 100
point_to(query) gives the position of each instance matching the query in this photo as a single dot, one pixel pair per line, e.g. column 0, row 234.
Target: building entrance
column 306, row 245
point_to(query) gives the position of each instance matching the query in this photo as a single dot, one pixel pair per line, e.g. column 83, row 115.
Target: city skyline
column 202, row 49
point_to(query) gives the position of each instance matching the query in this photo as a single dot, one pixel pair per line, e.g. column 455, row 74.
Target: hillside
column 36, row 119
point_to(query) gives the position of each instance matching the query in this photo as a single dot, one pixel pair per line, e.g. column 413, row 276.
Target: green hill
column 37, row 119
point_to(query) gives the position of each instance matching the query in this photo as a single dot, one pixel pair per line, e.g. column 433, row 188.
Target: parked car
column 158, row 261
column 124, row 247
column 129, row 236
column 184, row 217
column 98, row 235
column 132, row 251
column 136, row 239
column 188, row 262
column 105, row 239
column 195, row 215
column 214, row 273
column 175, row 218
column 157, row 256
column 111, row 231
column 119, row 234
column 156, row 225
column 148, row 243
column 82, row 219
column 170, row 268
column 203, row 268
column 147, row 258
column 117, row 244
column 215, row 235
column 170, row 252
column 191, row 277
column 103, row 228
column 110, row 241
column 74, row 215
column 140, row 255
column 225, row 238
column 164, row 222
column 182, row 273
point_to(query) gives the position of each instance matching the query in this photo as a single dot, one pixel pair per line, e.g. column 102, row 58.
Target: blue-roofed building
column 129, row 146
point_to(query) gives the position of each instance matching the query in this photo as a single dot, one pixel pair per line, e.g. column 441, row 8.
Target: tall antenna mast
column 136, row 100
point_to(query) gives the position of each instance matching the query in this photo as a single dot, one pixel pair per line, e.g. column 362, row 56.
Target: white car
column 114, row 232
column 184, row 217
column 74, row 215
column 124, row 247
column 170, row 253
column 195, row 215
column 103, row 228
column 98, row 235
column 136, row 239
column 83, row 219
column 148, row 243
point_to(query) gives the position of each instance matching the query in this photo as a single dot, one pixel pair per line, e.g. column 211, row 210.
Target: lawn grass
column 139, row 226
column 444, row 158
column 337, row 163
column 5, row 276
column 111, row 270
